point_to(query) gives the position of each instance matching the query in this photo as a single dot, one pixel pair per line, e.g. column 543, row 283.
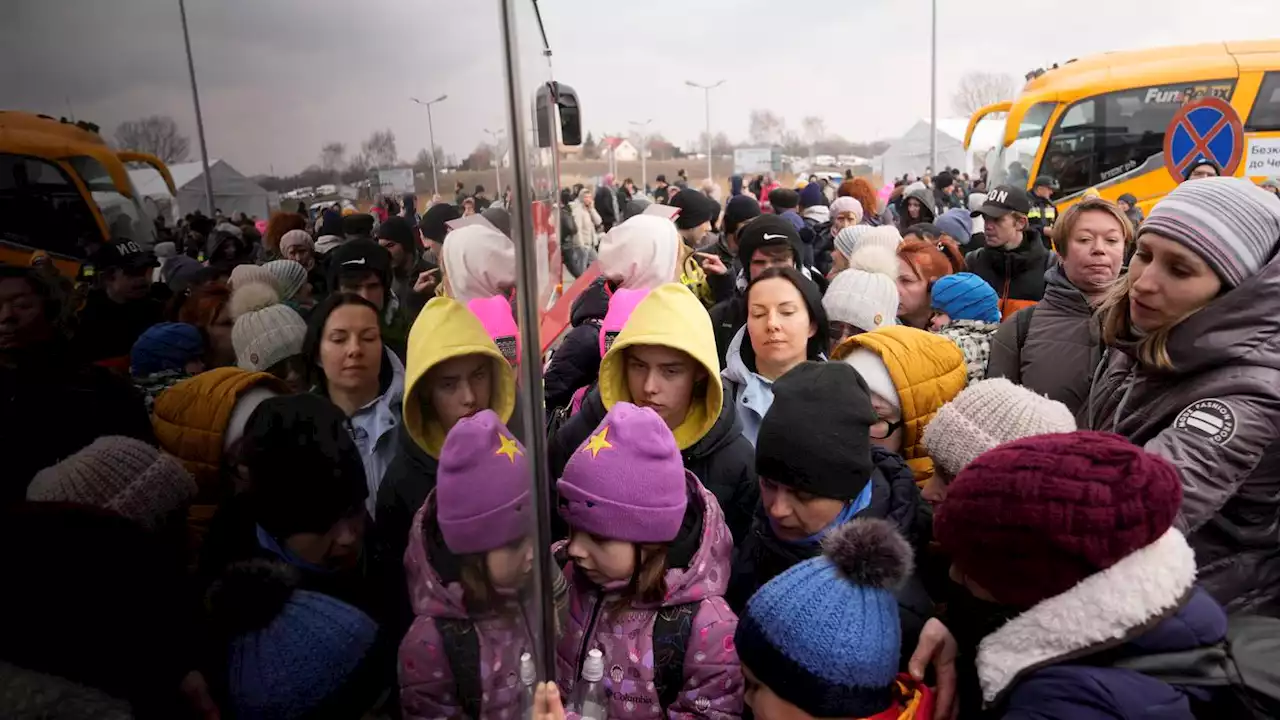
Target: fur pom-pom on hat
column 875, row 259
column 252, row 297
column 871, row 553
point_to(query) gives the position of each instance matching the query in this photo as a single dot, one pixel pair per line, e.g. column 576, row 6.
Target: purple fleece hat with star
column 627, row 481
column 482, row 486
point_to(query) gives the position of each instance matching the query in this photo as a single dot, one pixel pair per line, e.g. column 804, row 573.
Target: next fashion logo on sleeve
column 1212, row 419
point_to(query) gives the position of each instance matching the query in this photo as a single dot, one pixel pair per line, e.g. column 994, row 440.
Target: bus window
column 1266, row 109
column 41, row 208
column 1012, row 165
column 126, row 220
column 1102, row 138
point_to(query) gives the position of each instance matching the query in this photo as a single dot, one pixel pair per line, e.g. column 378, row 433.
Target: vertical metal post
column 431, row 137
column 195, row 98
column 709, row 171
column 532, row 417
column 933, row 94
column 644, row 165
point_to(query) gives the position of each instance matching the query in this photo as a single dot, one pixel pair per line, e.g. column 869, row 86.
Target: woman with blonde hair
column 1192, row 374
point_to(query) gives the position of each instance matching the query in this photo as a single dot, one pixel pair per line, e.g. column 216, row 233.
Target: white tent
column 232, row 192
column 910, row 153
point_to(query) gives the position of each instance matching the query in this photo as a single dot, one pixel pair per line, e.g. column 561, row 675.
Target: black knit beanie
column 695, row 209
column 305, row 472
column 830, row 458
column 433, row 221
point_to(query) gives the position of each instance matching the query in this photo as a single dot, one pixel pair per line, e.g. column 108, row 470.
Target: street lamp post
column 644, row 149
column 497, row 160
column 195, row 99
column 431, row 136
column 707, row 89
column 933, row 95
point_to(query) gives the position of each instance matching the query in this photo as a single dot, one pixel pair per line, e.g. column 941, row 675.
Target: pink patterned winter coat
column 712, row 677
column 428, row 687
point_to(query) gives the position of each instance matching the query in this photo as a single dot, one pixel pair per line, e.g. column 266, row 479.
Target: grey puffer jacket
column 1063, row 345
column 1217, row 419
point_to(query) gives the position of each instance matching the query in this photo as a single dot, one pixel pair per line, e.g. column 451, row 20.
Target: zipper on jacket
column 586, row 636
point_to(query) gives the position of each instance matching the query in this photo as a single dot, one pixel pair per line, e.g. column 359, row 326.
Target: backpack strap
column 462, row 648
column 1023, row 324
column 672, row 627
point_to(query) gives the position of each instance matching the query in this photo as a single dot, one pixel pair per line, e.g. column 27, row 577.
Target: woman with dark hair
column 786, row 325
column 349, row 365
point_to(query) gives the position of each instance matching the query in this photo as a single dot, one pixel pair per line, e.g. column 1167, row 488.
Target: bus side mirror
column 553, row 97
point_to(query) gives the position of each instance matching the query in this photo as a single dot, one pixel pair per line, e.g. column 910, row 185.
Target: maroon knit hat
column 1031, row 518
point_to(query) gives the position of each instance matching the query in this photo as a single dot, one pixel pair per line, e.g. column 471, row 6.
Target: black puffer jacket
column 894, row 497
column 722, row 459
column 577, row 361
column 1016, row 275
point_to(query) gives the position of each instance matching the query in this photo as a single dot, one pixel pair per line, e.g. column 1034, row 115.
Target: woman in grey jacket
column 1055, row 346
column 1193, row 374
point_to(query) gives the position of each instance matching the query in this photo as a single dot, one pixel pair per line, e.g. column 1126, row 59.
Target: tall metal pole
column 195, row 98
column 707, row 89
column 644, row 149
column 497, row 158
column 933, row 95
column 431, row 138
column 525, row 237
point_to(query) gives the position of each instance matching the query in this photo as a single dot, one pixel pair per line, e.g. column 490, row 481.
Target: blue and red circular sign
column 1207, row 128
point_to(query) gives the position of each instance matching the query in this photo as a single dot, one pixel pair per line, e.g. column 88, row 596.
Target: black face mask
column 971, row 619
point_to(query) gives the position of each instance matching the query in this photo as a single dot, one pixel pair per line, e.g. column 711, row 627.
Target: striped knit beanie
column 1229, row 222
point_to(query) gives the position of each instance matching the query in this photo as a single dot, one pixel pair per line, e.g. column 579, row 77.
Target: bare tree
column 766, row 128
column 380, row 149
column 359, row 164
column 979, row 89
column 157, row 135
column 720, row 144
column 422, row 162
column 814, row 129
column 331, row 156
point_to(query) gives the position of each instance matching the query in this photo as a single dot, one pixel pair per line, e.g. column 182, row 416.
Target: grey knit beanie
column 990, row 413
column 1231, row 223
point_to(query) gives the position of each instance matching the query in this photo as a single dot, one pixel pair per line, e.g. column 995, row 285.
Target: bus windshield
column 41, row 208
column 125, row 217
column 1012, row 165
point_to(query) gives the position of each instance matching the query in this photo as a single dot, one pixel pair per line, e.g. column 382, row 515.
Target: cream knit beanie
column 990, row 413
column 265, row 332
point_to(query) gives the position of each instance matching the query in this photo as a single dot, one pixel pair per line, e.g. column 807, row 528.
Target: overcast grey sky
column 281, row 77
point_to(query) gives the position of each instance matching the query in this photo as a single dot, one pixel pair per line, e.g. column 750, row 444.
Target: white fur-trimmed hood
column 1103, row 609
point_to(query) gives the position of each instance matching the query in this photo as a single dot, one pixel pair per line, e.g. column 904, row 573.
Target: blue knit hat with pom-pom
column 824, row 635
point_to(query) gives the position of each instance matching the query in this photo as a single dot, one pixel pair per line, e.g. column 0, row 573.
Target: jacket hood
column 925, row 196
column 818, row 213
column 927, row 370
column 592, row 304
column 1146, row 600
column 326, row 243
column 446, row 329
column 707, row 572
column 1031, row 253
column 1240, row 327
column 1062, row 293
column 430, row 594
column 672, row 317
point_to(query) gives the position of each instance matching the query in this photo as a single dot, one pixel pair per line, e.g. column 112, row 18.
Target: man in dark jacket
column 814, row 482
column 764, row 242
column 408, row 283
column 1043, row 212
column 737, row 212
column 120, row 308
column 664, row 359
column 608, row 203
column 51, row 404
column 1015, row 260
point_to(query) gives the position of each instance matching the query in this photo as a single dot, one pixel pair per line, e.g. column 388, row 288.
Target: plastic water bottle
column 528, row 681
column 590, row 697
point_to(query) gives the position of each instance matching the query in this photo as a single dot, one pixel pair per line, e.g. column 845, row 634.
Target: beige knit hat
column 265, row 332
column 120, row 474
column 990, row 413
column 242, row 275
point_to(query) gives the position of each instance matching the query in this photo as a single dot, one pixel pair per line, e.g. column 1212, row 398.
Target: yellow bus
column 1099, row 122
column 64, row 191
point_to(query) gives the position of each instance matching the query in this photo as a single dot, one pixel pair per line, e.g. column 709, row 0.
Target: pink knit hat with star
column 627, row 481
column 482, row 486
column 495, row 314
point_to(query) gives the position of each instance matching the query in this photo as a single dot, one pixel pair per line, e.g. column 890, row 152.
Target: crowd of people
column 814, row 456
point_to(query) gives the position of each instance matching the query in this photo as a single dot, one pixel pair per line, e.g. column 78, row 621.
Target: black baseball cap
column 766, row 230
column 1047, row 181
column 360, row 254
column 123, row 254
column 1003, row 200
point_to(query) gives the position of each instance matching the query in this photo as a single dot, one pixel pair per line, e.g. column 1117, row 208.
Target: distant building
column 621, row 149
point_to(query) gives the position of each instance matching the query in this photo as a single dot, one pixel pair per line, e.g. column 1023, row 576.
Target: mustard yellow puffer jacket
column 190, row 422
column 927, row 370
